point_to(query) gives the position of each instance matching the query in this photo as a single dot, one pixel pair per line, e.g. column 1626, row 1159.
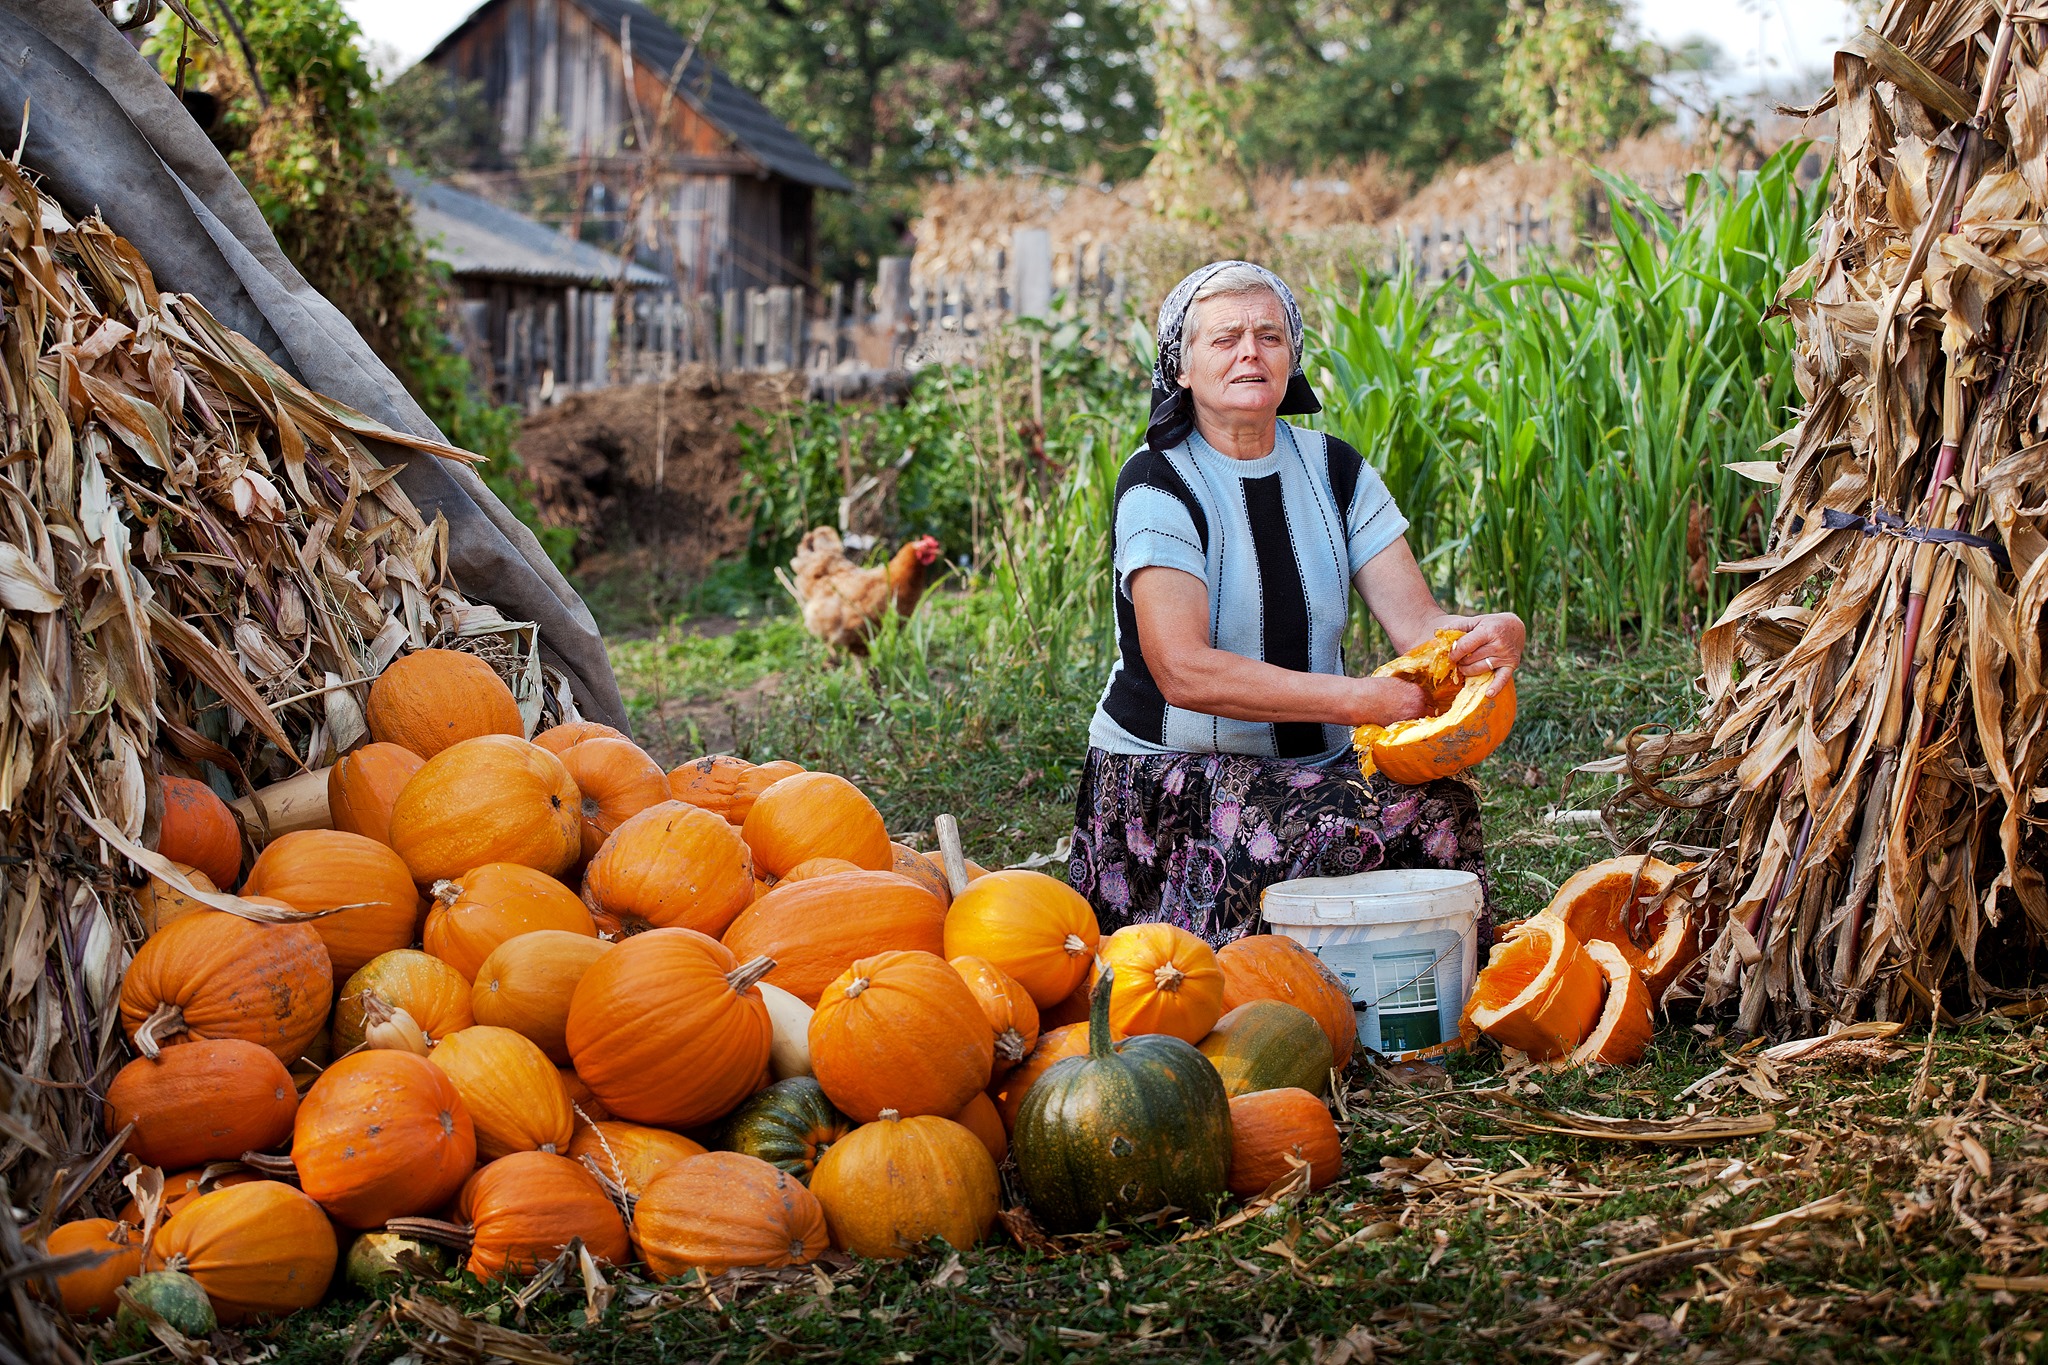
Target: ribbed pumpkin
column 979, row 1117
column 711, row 783
column 819, row 867
column 490, row 904
column 1006, row 1005
column 790, row 1054
column 724, row 1210
column 382, row 1135
column 512, row 1091
column 585, row 1105
column 1268, row 1126
column 433, row 699
column 495, row 799
column 257, row 1249
column 159, row 903
column 890, row 1186
column 526, row 983
column 562, row 738
column 617, row 780
column 1122, row 1132
column 1037, row 930
column 900, row 1031
column 209, row 1100
column 216, row 975
column 816, row 929
column 199, row 830
column 926, row 872
column 751, row 783
column 172, row 1295
column 319, row 869
column 364, row 784
column 672, row 866
column 90, row 1292
column 816, row 815
column 1275, row 967
column 522, row 1209
column 1267, row 1045
column 1054, row 1045
column 630, row 1155
column 667, row 1028
column 789, row 1125
column 1167, row 981
column 433, row 992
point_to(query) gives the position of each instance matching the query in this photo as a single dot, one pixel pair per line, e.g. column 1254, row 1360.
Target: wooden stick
column 284, row 807
column 951, row 853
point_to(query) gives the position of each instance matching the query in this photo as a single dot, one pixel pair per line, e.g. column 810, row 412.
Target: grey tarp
column 108, row 136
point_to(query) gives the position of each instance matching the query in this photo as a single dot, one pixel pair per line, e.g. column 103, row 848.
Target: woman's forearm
column 1216, row 682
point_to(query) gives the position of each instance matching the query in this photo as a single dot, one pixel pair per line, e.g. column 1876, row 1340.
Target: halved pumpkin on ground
column 1463, row 724
column 1539, row 991
column 1623, row 1029
column 1608, row 901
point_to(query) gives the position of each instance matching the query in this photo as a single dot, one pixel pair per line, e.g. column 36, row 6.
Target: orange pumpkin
column 1275, row 967
column 630, row 1155
column 209, row 1100
column 1539, row 991
column 583, row 1103
column 1167, row 981
column 1006, row 1005
column 979, row 1117
column 90, row 1291
column 319, row 869
column 512, row 1091
column 494, row 799
column 382, row 1135
column 752, row 783
column 667, row 1028
column 926, row 872
column 710, row 783
column 522, row 1209
column 816, row 815
column 488, row 905
column 181, row 1188
column 820, row 867
column 1054, row 1045
column 1621, row 1033
column 618, row 781
column 256, row 1249
column 433, row 699
column 199, row 830
column 900, row 1031
column 1611, row 901
column 892, row 1185
column 159, row 903
column 566, row 736
column 432, row 992
column 364, row 784
column 1268, row 1126
column 1463, row 724
column 526, row 982
column 816, row 929
column 725, row 1210
column 672, row 866
column 216, row 975
column 1036, row 929
column 1073, row 1009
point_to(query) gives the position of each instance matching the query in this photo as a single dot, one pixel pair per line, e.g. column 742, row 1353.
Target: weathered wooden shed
column 730, row 202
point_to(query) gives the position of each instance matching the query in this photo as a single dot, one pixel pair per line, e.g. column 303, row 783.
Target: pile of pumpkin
column 705, row 1019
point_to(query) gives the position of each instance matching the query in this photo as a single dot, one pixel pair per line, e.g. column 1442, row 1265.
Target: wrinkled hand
column 1383, row 701
column 1490, row 643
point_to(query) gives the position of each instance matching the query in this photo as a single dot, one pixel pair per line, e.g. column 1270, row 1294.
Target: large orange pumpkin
column 1007, row 1006
column 526, row 983
column 892, row 1185
column 926, row 872
column 819, row 867
column 980, row 1117
column 209, row 1100
column 630, row 1155
column 522, row 1209
column 711, row 783
column 433, row 699
column 671, row 866
column 618, row 781
column 667, row 1028
column 1036, row 929
column 319, row 869
column 1463, row 724
column 494, row 799
column 159, row 903
column 216, row 975
column 256, row 1249
column 431, row 991
column 1275, row 967
column 1054, row 1045
column 900, row 1031
column 1167, row 981
column 1539, row 991
column 182, row 1187
column 756, row 780
column 1611, row 901
column 487, row 905
column 90, row 1291
column 364, row 784
column 1268, row 1126
column 199, row 830
column 724, row 1210
column 566, row 736
column 512, row 1091
column 382, row 1135
column 1622, row 1031
column 583, row 1103
column 816, row 815
column 816, row 929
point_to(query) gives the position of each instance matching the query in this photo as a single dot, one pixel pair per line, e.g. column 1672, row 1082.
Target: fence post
column 1030, row 273
column 731, row 334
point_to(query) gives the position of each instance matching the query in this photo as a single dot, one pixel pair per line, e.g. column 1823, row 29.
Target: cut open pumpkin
column 1539, row 992
column 1463, row 724
column 1612, row 901
column 1623, row 1029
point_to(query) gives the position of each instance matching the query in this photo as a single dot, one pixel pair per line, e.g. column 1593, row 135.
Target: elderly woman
column 1219, row 758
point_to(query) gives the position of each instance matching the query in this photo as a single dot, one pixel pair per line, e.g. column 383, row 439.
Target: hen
column 842, row 602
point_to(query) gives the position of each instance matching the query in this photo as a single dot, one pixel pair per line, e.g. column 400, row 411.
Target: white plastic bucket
column 1404, row 941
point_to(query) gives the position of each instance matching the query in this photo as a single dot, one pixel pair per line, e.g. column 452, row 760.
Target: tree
column 1575, row 81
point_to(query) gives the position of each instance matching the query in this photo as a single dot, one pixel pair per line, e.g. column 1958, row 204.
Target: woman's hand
column 1491, row 643
column 1382, row 701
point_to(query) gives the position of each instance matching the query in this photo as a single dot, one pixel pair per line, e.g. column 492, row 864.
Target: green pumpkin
column 378, row 1260
column 789, row 1125
column 1125, row 1131
column 178, row 1298
column 1270, row 1045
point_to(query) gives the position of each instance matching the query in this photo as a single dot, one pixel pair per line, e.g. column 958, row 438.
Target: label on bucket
column 1407, row 990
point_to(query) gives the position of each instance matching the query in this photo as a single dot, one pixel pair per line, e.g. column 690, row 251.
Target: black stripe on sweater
column 1346, row 466
column 1135, row 701
column 1283, row 604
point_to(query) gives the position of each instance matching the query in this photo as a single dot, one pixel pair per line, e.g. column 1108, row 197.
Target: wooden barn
column 729, row 203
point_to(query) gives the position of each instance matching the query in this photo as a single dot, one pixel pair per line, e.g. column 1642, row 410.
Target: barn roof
column 478, row 239
column 759, row 133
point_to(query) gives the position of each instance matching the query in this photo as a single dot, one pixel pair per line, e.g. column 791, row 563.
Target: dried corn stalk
column 1872, row 752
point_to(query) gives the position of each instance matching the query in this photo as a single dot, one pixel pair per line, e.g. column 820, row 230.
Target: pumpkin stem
column 749, row 974
column 450, row 1235
column 888, row 1116
column 1074, row 946
column 1168, row 977
column 165, row 1018
column 857, row 988
column 276, row 1167
column 1010, row 1045
column 446, row 892
column 1099, row 1045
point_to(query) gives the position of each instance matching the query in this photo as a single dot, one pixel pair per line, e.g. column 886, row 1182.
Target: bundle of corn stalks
column 202, row 565
column 1868, row 770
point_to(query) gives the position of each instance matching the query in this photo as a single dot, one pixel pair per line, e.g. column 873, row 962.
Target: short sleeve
column 1154, row 530
column 1372, row 522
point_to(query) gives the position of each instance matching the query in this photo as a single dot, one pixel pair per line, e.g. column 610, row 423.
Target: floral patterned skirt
column 1194, row 839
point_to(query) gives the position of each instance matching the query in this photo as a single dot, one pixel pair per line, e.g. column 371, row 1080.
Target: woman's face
column 1237, row 357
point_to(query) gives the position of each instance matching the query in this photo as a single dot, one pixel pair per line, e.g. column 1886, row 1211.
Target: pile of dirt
column 651, row 467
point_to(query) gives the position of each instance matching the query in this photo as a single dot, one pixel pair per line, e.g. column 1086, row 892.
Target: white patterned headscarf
column 1173, row 411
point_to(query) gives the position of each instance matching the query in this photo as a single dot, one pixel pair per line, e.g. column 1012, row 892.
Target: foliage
column 1195, row 174
column 1573, row 81
column 434, row 119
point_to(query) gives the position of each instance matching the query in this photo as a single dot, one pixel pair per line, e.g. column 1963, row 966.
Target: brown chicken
column 842, row 602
